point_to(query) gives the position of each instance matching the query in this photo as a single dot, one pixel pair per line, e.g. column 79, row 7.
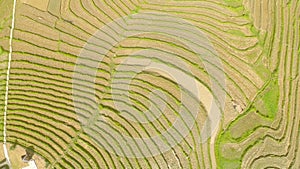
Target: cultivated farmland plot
column 150, row 84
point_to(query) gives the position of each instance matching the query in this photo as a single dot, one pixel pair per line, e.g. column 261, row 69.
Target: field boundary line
column 7, row 82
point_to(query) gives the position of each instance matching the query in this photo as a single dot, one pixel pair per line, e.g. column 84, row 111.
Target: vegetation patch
column 234, row 3
column 270, row 99
column 263, row 72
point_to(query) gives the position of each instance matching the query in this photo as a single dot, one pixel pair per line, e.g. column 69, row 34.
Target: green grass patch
column 229, row 156
column 236, row 32
column 236, row 6
column 1, row 50
column 244, row 126
column 1, row 25
column 271, row 98
column 240, row 10
column 234, row 3
column 222, row 161
column 232, row 164
column 261, row 39
column 136, row 10
column 254, row 30
column 1, row 128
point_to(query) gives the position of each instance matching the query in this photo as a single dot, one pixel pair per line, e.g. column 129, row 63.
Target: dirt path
column 7, row 83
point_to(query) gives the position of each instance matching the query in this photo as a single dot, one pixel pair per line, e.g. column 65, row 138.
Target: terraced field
column 151, row 84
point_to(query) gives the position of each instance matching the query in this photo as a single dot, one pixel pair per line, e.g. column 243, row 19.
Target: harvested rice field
column 150, row 84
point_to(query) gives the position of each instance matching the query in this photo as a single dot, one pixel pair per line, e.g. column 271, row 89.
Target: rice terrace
column 140, row 84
